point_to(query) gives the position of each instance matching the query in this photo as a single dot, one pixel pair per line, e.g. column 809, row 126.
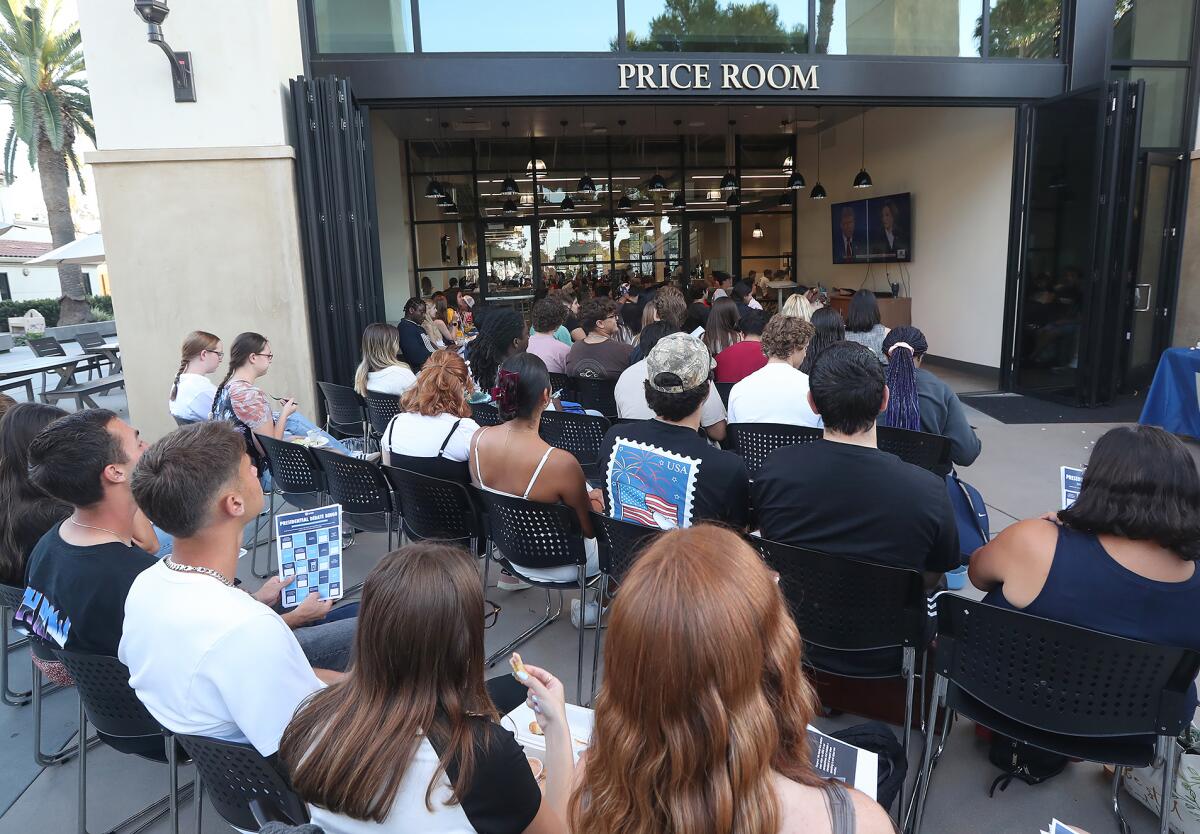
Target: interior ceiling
column 640, row 120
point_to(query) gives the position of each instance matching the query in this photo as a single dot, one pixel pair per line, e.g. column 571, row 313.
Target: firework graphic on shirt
column 651, row 486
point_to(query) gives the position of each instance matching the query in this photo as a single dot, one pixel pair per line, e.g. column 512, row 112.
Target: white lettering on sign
column 733, row 77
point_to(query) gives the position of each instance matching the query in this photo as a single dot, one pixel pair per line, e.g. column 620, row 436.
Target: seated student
column 777, row 392
column 239, row 397
column 863, row 324
column 545, row 340
column 631, row 389
column 743, row 358
column 436, row 419
column 432, row 754
column 80, row 571
column 828, row 330
column 414, row 341
column 841, row 495
column 26, row 513
column 802, row 305
column 743, row 296
column 192, row 392
column 671, row 307
column 630, row 308
column 599, row 355
column 697, row 310
column 664, row 474
column 722, row 328
column 6, row 402
column 381, row 370
column 920, row 400
column 569, row 300
column 702, row 667
column 724, row 285
column 205, row 657
column 1122, row 558
column 501, row 335
column 512, row 459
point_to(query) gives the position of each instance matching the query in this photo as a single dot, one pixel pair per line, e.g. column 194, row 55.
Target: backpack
column 1022, row 761
column 970, row 514
column 893, row 764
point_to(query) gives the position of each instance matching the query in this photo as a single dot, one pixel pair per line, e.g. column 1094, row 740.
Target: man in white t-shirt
column 631, row 389
column 205, row 657
column 778, row 391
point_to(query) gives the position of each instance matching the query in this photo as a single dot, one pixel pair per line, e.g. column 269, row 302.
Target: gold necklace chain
column 101, row 529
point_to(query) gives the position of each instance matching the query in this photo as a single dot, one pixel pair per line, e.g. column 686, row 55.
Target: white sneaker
column 373, row 457
column 591, row 619
column 508, row 582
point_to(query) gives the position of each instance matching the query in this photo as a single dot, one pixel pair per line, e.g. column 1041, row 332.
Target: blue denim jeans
column 300, row 426
column 328, row 645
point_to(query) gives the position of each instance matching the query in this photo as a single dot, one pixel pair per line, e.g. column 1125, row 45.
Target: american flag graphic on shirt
column 651, row 486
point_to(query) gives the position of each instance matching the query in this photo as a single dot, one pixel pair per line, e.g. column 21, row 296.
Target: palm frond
column 73, row 158
column 50, row 112
column 10, row 153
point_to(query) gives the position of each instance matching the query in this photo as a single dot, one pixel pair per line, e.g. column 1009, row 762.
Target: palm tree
column 41, row 78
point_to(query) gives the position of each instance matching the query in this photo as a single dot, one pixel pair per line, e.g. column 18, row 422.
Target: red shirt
column 738, row 361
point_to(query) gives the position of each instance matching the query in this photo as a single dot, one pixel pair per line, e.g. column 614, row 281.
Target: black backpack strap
column 446, row 442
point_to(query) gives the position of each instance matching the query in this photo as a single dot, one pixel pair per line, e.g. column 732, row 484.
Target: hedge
column 48, row 307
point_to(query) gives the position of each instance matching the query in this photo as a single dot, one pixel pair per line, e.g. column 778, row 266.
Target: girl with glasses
column 192, row 393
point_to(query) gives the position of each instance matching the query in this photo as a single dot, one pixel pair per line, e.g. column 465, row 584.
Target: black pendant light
column 444, row 200
column 733, row 202
column 658, row 182
column 785, row 199
column 434, row 189
column 680, row 201
column 509, row 187
column 796, row 179
column 452, row 208
column 729, row 182
column 567, row 203
column 510, row 206
column 862, row 179
column 587, row 186
column 818, row 192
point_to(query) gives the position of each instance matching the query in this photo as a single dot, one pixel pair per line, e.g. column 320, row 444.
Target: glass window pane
column 1162, row 113
column 736, row 26
column 1025, row 28
column 446, row 246
column 1152, row 30
column 363, row 25
column 529, row 26
column 437, row 155
column 899, row 27
column 456, row 187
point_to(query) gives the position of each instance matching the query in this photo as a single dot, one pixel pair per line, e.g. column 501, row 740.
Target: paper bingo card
column 309, row 546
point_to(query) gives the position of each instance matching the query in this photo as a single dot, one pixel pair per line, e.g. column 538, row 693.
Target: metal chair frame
column 462, row 510
column 10, row 600
column 238, row 777
column 1050, row 696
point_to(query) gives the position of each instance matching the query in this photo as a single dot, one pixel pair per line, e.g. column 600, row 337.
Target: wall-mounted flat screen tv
column 875, row 229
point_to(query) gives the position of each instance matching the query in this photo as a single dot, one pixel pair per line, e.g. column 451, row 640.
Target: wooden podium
column 893, row 312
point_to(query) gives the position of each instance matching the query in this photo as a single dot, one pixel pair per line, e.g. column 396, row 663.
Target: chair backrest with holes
column 293, row 467
column 755, row 441
column 596, row 394
column 434, row 508
column 381, row 408
column 846, row 604
column 485, row 414
column 579, row 434
column 358, row 485
column 619, row 543
column 47, row 346
column 534, row 534
column 344, row 406
column 110, row 703
column 1061, row 678
column 235, row 774
column 562, row 382
column 928, row 451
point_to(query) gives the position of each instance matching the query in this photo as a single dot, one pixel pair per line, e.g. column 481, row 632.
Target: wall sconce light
column 154, row 12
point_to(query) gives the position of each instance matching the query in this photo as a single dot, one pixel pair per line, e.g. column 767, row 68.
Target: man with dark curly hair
column 546, row 336
column 599, row 355
column 778, row 391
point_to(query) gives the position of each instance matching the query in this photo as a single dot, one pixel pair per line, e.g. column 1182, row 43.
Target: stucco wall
column 1187, row 311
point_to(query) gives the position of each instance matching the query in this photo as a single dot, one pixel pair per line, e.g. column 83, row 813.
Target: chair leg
column 198, row 793
column 583, row 589
column 1167, row 744
column 13, row 699
column 1118, row 781
column 596, row 649
column 487, row 565
column 68, row 750
column 529, row 632
column 81, row 812
column 910, row 674
column 922, row 789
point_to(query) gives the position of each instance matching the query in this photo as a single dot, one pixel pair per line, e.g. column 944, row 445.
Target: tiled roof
column 23, row 249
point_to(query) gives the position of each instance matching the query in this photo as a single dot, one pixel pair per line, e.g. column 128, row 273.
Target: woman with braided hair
column 192, row 393
column 920, row 401
column 502, row 333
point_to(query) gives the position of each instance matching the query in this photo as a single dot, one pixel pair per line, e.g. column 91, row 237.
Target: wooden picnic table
column 112, row 352
column 64, row 366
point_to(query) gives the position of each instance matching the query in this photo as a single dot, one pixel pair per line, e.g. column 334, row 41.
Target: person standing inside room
column 414, row 343
column 192, row 393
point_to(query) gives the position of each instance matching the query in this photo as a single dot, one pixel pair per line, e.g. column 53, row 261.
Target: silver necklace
column 102, row 529
column 215, row 574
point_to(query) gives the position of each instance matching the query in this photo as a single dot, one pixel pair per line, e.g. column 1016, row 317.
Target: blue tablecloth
column 1174, row 399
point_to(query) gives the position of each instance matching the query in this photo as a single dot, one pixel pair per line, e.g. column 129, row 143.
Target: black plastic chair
column 928, row 451
column 846, row 608
column 236, row 776
column 296, row 477
column 755, row 441
column 110, row 704
column 365, row 495
column 89, row 340
column 42, row 651
column 596, row 394
column 562, row 383
column 381, row 408
column 723, row 389
column 580, row 434
column 439, row 509
column 1061, row 688
column 540, row 536
column 345, row 412
column 618, row 545
column 485, row 414
column 10, row 601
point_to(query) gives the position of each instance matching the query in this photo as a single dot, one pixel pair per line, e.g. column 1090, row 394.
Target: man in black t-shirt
column 843, row 496
column 661, row 472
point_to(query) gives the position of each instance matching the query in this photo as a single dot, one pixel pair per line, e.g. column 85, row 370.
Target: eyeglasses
column 270, row 356
column 489, row 619
column 220, row 354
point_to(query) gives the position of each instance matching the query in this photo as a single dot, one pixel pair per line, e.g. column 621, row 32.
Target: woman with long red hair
column 701, row 720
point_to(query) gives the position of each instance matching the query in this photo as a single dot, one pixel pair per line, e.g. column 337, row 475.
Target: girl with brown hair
column 436, row 420
column 701, row 720
column 192, row 392
column 409, row 740
column 721, row 331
